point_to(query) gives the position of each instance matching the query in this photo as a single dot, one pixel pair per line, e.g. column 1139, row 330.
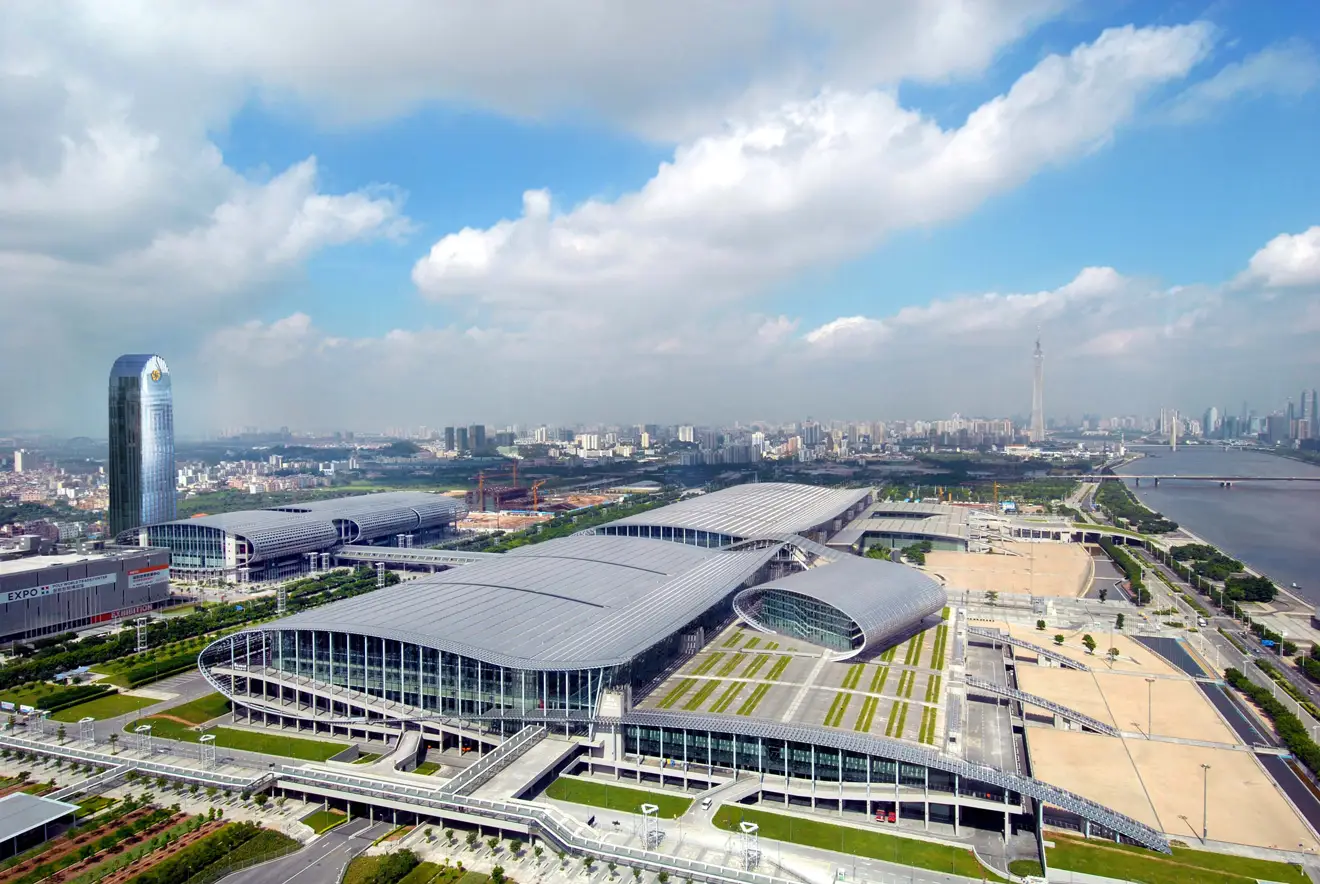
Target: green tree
column 1113, row 655
column 1040, row 624
column 497, row 875
column 1058, row 639
column 1089, row 643
column 612, row 867
column 60, row 733
column 472, row 839
column 637, row 874
column 1118, row 622
column 991, row 597
column 515, row 846
column 587, row 863
column 430, row 834
column 1104, row 594
column 537, row 851
column 449, row 835
column 493, row 843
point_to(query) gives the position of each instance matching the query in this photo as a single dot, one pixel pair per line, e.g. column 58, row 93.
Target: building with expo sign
column 48, row 594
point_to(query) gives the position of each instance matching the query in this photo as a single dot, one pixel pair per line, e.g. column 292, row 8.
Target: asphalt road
column 321, row 862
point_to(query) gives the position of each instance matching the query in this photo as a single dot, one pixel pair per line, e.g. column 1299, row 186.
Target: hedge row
column 79, row 694
column 194, row 858
column 1130, row 569
column 1290, row 728
column 104, row 648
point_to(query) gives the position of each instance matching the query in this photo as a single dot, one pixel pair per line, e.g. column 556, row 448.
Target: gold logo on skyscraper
column 155, row 374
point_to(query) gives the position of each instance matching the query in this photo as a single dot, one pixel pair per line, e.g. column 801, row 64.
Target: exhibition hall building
column 681, row 645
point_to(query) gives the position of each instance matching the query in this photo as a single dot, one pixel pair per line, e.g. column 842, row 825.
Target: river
column 1272, row 526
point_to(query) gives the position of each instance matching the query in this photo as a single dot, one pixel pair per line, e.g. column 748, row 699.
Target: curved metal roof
column 883, row 598
column 574, row 603
column 753, row 510
column 299, row 528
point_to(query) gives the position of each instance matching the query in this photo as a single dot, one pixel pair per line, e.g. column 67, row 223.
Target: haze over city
column 323, row 215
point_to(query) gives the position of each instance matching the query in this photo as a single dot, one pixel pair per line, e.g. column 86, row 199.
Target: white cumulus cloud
column 811, row 182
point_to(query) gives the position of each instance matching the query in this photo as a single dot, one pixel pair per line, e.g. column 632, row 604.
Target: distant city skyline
column 814, row 208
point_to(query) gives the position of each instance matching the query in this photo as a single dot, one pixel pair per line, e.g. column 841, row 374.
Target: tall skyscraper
column 1210, row 423
column 1038, row 394
column 141, row 468
column 1309, row 416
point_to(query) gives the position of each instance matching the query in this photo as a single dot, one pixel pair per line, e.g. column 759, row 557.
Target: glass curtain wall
column 798, row 760
column 434, row 680
column 808, row 619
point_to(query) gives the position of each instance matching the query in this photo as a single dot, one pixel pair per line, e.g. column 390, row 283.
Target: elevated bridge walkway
column 995, row 635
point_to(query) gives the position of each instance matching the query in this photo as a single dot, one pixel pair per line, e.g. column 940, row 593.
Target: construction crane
column 536, row 494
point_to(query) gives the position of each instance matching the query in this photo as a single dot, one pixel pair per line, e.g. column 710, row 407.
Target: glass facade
column 811, row 620
column 690, row 536
column 431, row 679
column 141, row 464
column 195, row 548
column 800, row 760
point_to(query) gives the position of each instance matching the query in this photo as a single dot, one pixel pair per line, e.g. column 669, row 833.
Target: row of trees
column 1289, row 726
column 1122, row 506
column 1130, row 568
column 123, row 644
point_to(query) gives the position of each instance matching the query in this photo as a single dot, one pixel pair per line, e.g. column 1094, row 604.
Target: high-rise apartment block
column 141, row 464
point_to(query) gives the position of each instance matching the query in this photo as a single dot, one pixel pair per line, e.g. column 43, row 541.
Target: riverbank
column 1272, row 527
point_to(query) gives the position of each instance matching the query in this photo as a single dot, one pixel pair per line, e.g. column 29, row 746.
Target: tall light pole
column 1150, row 705
column 1205, row 802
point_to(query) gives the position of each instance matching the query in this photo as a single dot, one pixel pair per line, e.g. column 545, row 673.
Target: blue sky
column 772, row 197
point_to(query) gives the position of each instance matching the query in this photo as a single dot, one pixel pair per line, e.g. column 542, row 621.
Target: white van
column 705, row 804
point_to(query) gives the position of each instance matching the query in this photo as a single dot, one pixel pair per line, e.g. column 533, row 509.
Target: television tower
column 1038, row 394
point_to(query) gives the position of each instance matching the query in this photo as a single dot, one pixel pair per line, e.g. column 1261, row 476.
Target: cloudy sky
column 368, row 213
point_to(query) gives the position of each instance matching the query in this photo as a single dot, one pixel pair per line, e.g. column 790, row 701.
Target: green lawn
column 1025, row 867
column 104, row 707
column 250, row 741
column 854, row 841
column 616, row 797
column 367, row 758
column 201, row 710
column 324, row 820
column 426, row 768
column 1135, row 864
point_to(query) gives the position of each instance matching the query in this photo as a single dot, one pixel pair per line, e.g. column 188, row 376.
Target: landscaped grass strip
column 933, row 689
column 902, row 722
column 695, row 701
column 939, row 647
column 856, row 841
column 755, row 666
column 706, row 665
column 752, row 642
column 772, row 646
column 1137, row 864
column 878, row 680
column 726, row 698
column 731, row 664
column 611, row 797
column 676, row 693
column 754, row 699
column 889, row 654
column 778, row 669
column 927, row 732
column 911, row 683
column 893, row 717
column 914, row 650
column 733, row 640
column 854, row 676
column 867, row 714
column 838, row 709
